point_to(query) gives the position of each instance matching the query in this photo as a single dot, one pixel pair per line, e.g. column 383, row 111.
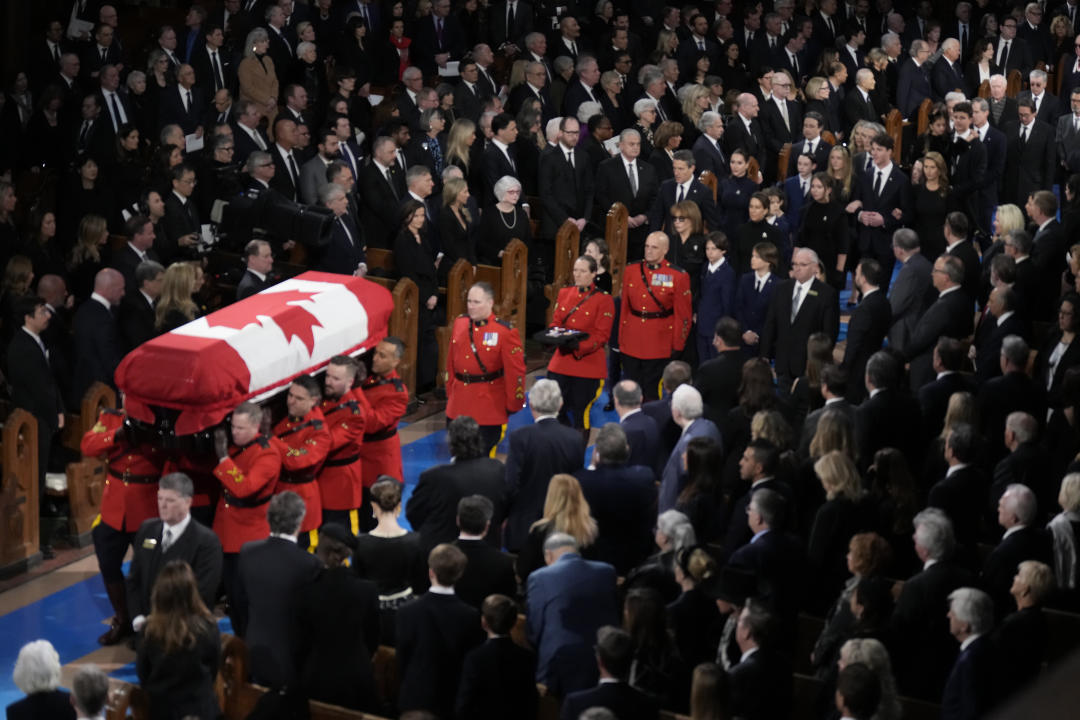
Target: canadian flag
column 250, row 349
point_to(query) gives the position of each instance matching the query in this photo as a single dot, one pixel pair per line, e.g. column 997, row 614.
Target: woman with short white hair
column 507, row 221
column 37, row 673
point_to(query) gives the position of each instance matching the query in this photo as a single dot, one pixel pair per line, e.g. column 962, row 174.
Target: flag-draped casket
column 199, row 372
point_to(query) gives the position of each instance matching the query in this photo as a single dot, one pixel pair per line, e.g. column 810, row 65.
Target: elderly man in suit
column 1017, row 513
column 909, row 295
column 346, row 253
column 622, row 499
column 950, row 315
column 97, row 344
column 537, row 451
column 709, row 153
column 745, row 130
column 183, row 104
column 642, row 432
column 174, row 535
column 800, row 307
column 686, row 412
column 913, row 85
column 682, row 187
column 259, row 257
column 626, row 178
column 971, row 688
column 566, row 603
column 1014, row 391
column 271, row 572
column 934, row 396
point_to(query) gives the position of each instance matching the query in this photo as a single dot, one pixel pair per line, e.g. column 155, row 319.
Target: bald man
column 97, row 343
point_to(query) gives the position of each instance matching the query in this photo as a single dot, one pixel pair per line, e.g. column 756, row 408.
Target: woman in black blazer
column 178, row 659
column 416, row 260
column 338, row 627
column 666, row 141
column 1060, row 352
column 981, row 66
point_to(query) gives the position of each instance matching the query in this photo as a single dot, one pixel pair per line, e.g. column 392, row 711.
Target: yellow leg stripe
column 660, row 388
column 502, row 434
column 313, row 540
column 354, row 522
column 97, row 521
column 588, row 408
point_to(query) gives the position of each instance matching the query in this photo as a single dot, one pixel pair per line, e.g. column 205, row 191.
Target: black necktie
column 963, row 36
column 187, row 101
column 877, row 183
column 509, row 18
column 219, row 79
column 82, row 135
column 1023, row 136
column 682, row 194
column 1005, row 56
column 56, row 53
column 104, row 55
column 293, row 171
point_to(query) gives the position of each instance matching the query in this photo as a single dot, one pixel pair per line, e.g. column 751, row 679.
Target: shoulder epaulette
column 264, row 442
column 398, row 385
column 505, row 324
column 315, row 423
column 112, row 411
column 675, row 267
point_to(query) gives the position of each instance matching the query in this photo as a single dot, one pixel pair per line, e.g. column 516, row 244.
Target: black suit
column 1028, row 543
column 738, row 532
column 469, row 102
column 488, row 571
column 136, row 320
column 660, row 411
column 432, row 508
column 660, row 213
column 772, row 122
column 565, row 191
column 643, row 435
column 751, row 140
column 90, row 61
column 427, row 43
column 622, row 499
column 171, row 108
column 205, row 77
column 785, row 339
column 1012, row 392
column 971, row 689
column 810, row 424
column 1048, row 254
column 708, row 155
column 820, row 154
column 434, row 634
column 934, row 400
column 281, row 51
column 180, row 219
column 34, row 388
column 379, row 201
column 953, row 494
column 536, row 452
column 199, row 547
column 1021, row 639
column 624, row 701
column 495, row 166
column 576, row 94
column 895, row 193
column 946, row 77
column 718, row 382
column 497, row 681
column 777, row 560
column 885, row 420
column 251, row 284
column 97, row 346
column 501, row 33
column 925, row 649
column 272, row 572
column 126, row 260
column 613, row 185
column 867, row 328
column 760, row 686
column 244, row 145
column 1028, row 464
column 44, row 705
column 988, row 338
column 346, row 249
column 949, row 316
column 965, row 250
column 1031, row 167
column 283, row 180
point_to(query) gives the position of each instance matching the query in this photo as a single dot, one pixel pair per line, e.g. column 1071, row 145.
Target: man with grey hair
column 947, row 75
column 260, row 168
column 924, row 649
column 1047, row 106
column 799, row 308
column 907, row 296
column 652, row 80
column 913, row 82
column 136, row 312
column 1013, row 391
column 642, row 431
column 1026, row 462
column 537, row 451
column 686, row 412
column 173, row 535
column 271, row 572
column 408, row 103
column 622, row 500
column 627, row 179
column 584, row 89
column 346, row 252
column 1067, row 135
column 90, row 693
column 972, row 686
column 950, row 316
column 745, row 130
column 709, row 147
column 567, row 602
column 1024, row 539
column 535, row 86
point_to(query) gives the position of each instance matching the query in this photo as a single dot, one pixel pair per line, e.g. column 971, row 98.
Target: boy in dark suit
column 497, row 678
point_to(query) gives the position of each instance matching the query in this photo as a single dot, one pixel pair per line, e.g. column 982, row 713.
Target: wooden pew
column 710, row 181
column 782, row 162
column 509, row 280
column 126, row 700
column 85, row 478
column 894, row 126
column 19, row 514
column 923, row 116
column 566, row 251
column 458, row 281
column 405, row 319
column 616, row 231
column 1063, row 633
column 1014, row 82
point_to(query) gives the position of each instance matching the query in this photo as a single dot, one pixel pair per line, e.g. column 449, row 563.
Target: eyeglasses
column 677, row 218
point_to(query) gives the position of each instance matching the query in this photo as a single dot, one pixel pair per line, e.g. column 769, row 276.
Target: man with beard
column 313, row 172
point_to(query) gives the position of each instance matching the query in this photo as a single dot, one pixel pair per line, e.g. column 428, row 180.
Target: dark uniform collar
column 654, row 266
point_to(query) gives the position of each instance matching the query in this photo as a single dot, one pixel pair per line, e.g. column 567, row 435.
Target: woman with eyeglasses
column 688, row 246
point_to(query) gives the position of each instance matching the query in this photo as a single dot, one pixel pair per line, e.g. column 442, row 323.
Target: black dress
column 416, row 261
column 750, row 234
column 497, row 229
column 930, row 209
column 690, row 256
column 181, row 684
column 825, row 231
column 457, row 241
column 733, row 199
column 397, row 568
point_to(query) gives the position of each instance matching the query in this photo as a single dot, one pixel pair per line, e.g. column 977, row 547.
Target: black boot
column 120, row 627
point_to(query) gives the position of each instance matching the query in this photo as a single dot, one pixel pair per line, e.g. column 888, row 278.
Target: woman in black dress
column 130, row 173
column 46, row 144
column 693, row 617
column 390, row 556
column 597, row 249
column 666, row 141
column 86, row 194
column 732, row 200
column 42, row 246
column 357, row 49
column 416, row 260
column 757, row 230
column 931, row 204
column 688, row 246
column 175, row 306
column 456, row 226
column 504, row 222
column 177, row 661
column 732, row 70
column 825, row 229
column 89, row 255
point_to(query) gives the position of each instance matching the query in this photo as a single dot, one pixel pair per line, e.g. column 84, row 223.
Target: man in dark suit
column 924, row 650
column 97, row 344
column 1048, row 250
column 857, row 103
column 627, row 179
column 585, row 88
column 757, row 469
column 811, row 144
column 1023, row 540
column 800, row 307
column 380, row 194
column 271, row 571
column 566, row 182
column 868, row 326
column 774, row 557
column 537, row 452
column 260, row 261
column 884, row 190
column 136, row 313
column 1011, row 52
column 946, row 75
column 498, row 679
column 682, row 188
column 183, row 104
column 1030, row 161
column 972, row 685
column 139, row 249
column 214, row 69
column 434, row 634
column 282, row 49
column 950, row 315
column 934, row 396
column 568, row 601
column 614, row 658
column 92, row 134
column 622, row 499
column 510, row 22
column 909, row 294
column 1013, row 392
column 745, row 131
column 433, row 508
column 182, row 225
column 469, row 95
column 101, row 51
column 686, row 413
column 642, row 433
column 175, row 535
column 286, row 179
column 499, row 160
column 962, row 482
column 346, row 252
column 959, row 245
column 535, row 86
column 760, row 684
column 886, row 417
column 1026, row 464
column 488, row 570
column 708, row 149
column 792, row 58
column 834, row 390
column 994, row 143
column 675, row 374
column 437, row 39
column 1000, row 322
column 718, row 379
column 913, row 84
column 44, row 55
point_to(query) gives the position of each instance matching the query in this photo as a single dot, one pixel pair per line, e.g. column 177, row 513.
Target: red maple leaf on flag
column 294, row 319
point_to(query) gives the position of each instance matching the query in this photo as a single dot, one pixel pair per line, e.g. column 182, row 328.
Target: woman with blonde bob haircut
column 565, row 511
column 842, row 515
column 175, row 306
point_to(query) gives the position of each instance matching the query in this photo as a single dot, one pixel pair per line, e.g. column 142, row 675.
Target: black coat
column 1029, row 543
column 250, row 284
column 988, row 339
column 971, row 689
column 432, row 508
column 33, row 386
column 346, row 249
column 965, row 250
column 199, row 547
column 1032, row 167
column 718, row 382
column 622, row 499
column 886, row 420
column 760, row 686
column 180, row 684
column 867, row 328
column 434, row 634
column 1012, row 392
column 953, row 494
column 643, row 435
column 624, row 701
column 498, row 680
column 1021, row 639
column 97, row 346
column 565, row 192
column 950, row 316
column 536, row 452
column 44, row 705
column 180, row 219
column 660, row 212
column 379, row 202
column 786, row 340
column 613, row 185
column 489, row 571
column 934, row 400
column 272, row 573
column 136, row 320
column 171, row 109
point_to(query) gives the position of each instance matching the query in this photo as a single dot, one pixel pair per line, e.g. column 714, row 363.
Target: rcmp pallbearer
column 341, row 480
column 248, row 471
column 384, row 400
column 580, row 367
column 485, row 368
column 655, row 317
column 303, row 441
column 130, row 497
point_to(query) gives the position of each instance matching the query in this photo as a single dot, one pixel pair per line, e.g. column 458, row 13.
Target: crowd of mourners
column 847, row 381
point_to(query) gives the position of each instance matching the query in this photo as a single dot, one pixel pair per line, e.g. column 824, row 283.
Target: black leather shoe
column 47, row 552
